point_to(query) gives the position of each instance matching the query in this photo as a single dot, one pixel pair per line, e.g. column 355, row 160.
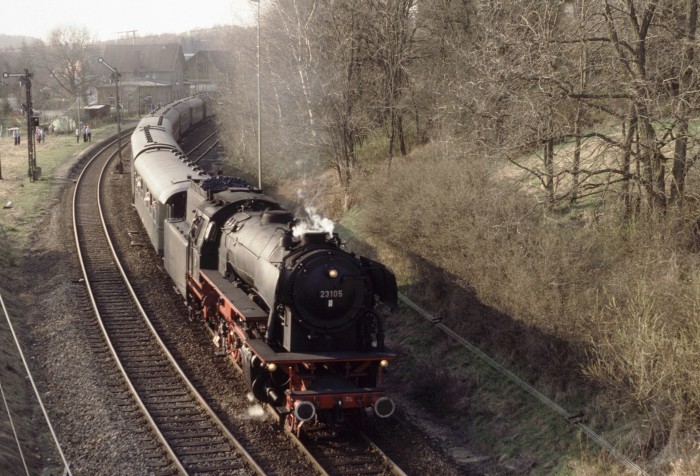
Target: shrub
column 580, row 290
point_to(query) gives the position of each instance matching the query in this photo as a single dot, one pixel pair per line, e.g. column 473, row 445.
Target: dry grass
column 29, row 198
column 579, row 298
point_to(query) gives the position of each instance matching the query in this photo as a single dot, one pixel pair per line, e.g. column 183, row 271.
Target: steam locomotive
column 299, row 314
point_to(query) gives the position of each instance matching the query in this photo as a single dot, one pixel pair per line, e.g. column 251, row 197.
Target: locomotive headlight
column 271, row 367
column 384, row 363
column 332, row 273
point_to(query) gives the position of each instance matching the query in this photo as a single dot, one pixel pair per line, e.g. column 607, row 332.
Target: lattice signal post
column 25, row 79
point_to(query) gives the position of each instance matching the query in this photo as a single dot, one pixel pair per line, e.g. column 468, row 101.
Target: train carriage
column 161, row 180
column 152, row 134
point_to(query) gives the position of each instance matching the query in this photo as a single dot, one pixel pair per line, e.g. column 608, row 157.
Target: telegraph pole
column 116, row 75
column 25, row 80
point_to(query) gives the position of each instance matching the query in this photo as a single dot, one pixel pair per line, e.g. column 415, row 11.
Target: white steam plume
column 314, row 222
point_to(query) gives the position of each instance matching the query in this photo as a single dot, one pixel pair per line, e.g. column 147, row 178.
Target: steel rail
column 171, row 452
column 173, row 457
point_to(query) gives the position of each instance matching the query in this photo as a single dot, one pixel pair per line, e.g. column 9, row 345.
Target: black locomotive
column 298, row 313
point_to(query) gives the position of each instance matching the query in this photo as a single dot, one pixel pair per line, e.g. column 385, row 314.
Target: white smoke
column 254, row 412
column 314, row 222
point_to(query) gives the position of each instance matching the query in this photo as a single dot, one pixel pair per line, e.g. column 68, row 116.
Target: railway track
column 347, row 452
column 190, row 435
column 202, row 148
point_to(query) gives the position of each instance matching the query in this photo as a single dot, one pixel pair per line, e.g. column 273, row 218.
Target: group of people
column 39, row 135
column 86, row 132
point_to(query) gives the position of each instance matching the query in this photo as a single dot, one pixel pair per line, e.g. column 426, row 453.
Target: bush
column 581, row 290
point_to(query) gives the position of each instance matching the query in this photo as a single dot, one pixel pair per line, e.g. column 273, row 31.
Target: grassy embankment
column 30, row 199
column 597, row 313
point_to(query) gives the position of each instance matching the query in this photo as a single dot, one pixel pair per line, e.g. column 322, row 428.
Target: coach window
column 178, row 204
column 199, row 229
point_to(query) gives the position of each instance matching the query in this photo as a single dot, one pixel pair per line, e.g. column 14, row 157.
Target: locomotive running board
column 237, row 298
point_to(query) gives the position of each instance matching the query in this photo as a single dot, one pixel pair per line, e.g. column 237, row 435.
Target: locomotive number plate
column 331, row 293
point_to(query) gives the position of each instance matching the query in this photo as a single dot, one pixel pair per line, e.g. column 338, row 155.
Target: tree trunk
column 549, row 167
column 627, row 165
column 685, row 81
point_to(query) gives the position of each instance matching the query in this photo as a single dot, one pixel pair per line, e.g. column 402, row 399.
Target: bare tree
column 391, row 46
column 320, row 60
column 550, row 71
column 68, row 59
column 346, row 119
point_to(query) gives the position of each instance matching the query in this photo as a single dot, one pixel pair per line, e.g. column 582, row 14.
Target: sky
column 109, row 20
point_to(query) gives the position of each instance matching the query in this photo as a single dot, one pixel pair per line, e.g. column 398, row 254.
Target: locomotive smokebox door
column 325, row 292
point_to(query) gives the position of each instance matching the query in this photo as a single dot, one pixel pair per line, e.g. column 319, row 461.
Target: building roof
column 143, row 58
column 216, row 58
